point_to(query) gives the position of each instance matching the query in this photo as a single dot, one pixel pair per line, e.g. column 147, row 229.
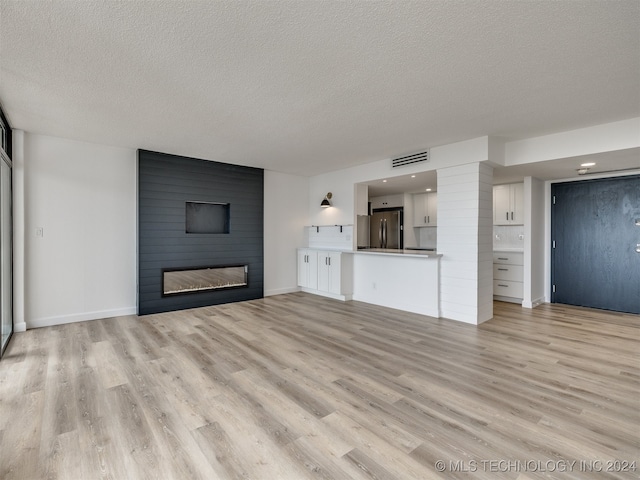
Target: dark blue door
column 595, row 230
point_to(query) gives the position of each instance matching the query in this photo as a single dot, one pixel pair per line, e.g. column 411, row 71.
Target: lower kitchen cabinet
column 508, row 276
column 325, row 272
column 308, row 268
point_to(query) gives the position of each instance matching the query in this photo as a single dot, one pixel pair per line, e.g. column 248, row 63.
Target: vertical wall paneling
column 165, row 184
column 465, row 239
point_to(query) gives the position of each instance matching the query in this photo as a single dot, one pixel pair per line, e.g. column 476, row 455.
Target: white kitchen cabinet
column 307, row 268
column 425, row 210
column 325, row 272
column 387, row 201
column 508, row 276
column 508, row 204
column 329, row 272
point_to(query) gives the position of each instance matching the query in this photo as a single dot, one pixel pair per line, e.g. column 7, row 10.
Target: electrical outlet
column 39, row 232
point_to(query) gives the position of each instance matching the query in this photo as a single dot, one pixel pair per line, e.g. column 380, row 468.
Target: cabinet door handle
column 503, row 269
column 501, row 285
column 502, row 258
column 511, row 215
column 425, row 219
column 329, row 258
column 429, row 219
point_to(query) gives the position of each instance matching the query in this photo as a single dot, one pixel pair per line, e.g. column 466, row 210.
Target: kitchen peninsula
column 406, row 280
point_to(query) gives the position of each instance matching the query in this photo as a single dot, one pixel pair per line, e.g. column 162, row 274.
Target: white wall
column 477, row 291
column 584, row 141
column 285, row 215
column 341, row 182
column 83, row 197
column 411, row 235
column 534, row 242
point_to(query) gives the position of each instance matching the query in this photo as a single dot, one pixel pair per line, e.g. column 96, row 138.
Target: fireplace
column 179, row 281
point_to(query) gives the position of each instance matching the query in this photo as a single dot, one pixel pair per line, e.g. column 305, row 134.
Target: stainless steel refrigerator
column 386, row 230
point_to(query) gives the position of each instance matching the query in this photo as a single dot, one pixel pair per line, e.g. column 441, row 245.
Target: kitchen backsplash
column 508, row 236
column 330, row 236
column 428, row 237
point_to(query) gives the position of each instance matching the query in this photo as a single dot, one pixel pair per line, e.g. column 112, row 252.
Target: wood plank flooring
column 298, row 387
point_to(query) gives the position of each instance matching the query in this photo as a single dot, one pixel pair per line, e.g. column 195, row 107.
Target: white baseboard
column 508, row 299
column 343, row 298
column 20, row 327
column 280, row 291
column 534, row 304
column 80, row 317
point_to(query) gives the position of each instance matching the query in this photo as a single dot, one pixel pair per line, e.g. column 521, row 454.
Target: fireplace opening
column 195, row 280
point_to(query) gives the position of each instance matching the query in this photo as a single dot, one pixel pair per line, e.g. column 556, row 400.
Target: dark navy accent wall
column 165, row 184
column 594, row 226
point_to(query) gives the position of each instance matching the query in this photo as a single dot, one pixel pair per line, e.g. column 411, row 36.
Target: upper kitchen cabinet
column 387, row 201
column 508, row 204
column 425, row 210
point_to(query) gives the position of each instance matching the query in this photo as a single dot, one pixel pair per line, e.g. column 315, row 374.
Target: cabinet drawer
column 501, row 271
column 511, row 258
column 507, row 288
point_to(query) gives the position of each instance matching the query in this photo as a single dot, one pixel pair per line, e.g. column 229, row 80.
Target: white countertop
column 509, row 250
column 397, row 253
column 381, row 251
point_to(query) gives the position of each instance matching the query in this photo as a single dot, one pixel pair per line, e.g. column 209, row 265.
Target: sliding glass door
column 6, row 234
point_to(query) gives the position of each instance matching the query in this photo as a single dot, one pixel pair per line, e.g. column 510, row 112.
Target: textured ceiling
column 311, row 86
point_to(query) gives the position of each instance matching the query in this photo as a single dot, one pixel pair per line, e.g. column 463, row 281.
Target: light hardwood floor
column 299, row 386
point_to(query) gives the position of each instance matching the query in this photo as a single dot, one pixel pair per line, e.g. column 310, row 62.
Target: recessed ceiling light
column 428, row 190
column 384, row 181
column 588, row 164
column 413, row 176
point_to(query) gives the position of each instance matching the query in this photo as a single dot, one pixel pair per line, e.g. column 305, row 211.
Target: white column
column 17, row 174
column 465, row 240
column 534, row 242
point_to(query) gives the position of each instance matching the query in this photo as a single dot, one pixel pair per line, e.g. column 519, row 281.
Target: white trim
column 535, row 303
column 597, row 176
column 502, row 298
column 344, row 298
column 20, row 327
column 280, row 291
column 17, row 176
column 80, row 317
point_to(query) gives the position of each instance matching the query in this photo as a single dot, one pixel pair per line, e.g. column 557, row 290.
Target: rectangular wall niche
column 202, row 217
column 178, row 282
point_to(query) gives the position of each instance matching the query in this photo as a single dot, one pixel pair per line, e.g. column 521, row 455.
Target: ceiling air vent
column 410, row 159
